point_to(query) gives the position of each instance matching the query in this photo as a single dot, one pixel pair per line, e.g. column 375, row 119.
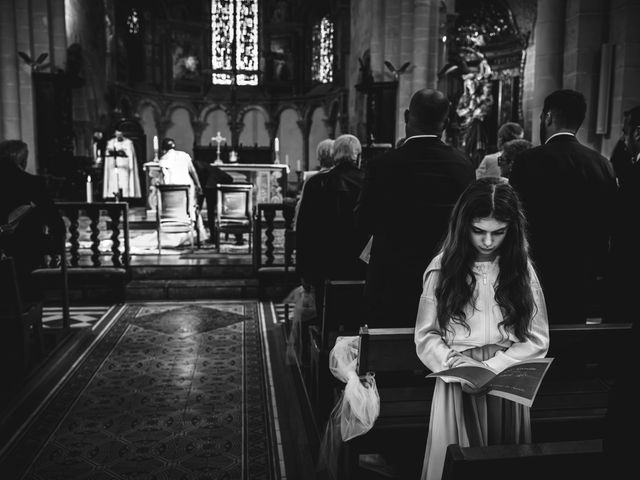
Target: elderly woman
column 327, row 241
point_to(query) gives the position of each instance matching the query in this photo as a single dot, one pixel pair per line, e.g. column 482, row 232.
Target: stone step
column 181, row 289
column 183, row 272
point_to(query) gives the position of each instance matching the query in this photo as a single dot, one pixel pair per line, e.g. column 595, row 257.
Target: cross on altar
column 218, row 139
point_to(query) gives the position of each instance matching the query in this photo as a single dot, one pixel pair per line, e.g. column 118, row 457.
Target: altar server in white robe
column 121, row 168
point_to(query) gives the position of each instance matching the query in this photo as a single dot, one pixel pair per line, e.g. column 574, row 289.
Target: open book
column 518, row 383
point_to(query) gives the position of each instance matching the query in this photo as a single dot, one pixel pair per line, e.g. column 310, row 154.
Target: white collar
column 559, row 133
column 421, row 136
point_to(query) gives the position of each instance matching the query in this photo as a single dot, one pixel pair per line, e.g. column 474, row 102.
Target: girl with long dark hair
column 482, row 304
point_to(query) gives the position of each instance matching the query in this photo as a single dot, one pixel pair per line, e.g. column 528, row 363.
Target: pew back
column 343, row 310
column 581, row 459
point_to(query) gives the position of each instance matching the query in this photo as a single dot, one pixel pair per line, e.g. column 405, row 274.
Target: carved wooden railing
column 103, row 217
column 266, row 221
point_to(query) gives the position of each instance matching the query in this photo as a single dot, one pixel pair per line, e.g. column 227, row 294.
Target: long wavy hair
column 486, row 197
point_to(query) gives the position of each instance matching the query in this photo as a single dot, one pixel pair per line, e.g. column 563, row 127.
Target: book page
column 520, row 382
column 475, row 377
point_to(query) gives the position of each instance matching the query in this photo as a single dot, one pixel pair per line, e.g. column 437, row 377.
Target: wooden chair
column 172, row 212
column 234, row 213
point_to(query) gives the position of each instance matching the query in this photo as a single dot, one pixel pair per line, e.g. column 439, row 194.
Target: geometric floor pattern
column 170, row 391
column 81, row 317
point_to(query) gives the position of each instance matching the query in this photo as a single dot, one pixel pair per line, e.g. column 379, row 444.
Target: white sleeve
column 537, row 345
column 430, row 345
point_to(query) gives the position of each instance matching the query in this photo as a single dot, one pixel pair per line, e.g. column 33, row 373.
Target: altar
column 269, row 180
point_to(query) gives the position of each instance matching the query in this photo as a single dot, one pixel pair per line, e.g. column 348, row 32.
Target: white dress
column 475, row 420
column 175, row 170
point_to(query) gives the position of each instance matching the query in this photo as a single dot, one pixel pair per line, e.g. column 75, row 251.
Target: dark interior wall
column 88, row 63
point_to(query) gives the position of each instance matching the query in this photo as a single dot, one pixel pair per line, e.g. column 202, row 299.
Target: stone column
column 585, row 30
column 9, row 91
column 377, row 39
column 26, row 105
column 405, row 84
column 422, row 9
column 549, row 39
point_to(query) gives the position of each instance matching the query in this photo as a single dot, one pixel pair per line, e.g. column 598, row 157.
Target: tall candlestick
column 298, row 166
column 155, row 143
column 89, row 189
column 276, row 145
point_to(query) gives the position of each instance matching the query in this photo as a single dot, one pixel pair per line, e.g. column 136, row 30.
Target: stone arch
column 317, row 132
column 291, row 139
column 254, row 129
column 215, row 120
column 181, row 128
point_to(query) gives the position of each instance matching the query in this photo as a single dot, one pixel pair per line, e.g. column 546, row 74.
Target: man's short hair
column 509, row 131
column 14, row 151
column 568, row 106
column 346, row 148
column 324, row 153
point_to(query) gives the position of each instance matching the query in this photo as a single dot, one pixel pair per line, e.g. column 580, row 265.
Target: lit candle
column 298, row 166
column 286, row 158
column 89, row 190
column 277, row 145
column 155, row 143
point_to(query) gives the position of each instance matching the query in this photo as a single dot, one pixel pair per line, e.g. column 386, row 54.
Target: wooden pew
column 581, row 459
column 571, row 404
column 343, row 314
column 91, row 273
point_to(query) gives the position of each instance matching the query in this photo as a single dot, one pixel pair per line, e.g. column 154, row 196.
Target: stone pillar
column 421, row 12
column 58, row 35
column 377, row 39
column 9, row 91
column 405, row 84
column 24, row 43
column 392, row 28
column 585, row 30
column 549, row 50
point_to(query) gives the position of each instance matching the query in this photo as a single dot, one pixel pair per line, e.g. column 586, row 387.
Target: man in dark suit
column 327, row 242
column 406, row 200
column 568, row 192
column 40, row 226
column 210, row 176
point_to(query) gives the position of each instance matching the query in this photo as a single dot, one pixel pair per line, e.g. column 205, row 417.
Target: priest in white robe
column 121, row 168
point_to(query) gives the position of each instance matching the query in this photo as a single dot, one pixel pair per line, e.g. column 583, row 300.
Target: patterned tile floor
column 81, row 317
column 171, row 391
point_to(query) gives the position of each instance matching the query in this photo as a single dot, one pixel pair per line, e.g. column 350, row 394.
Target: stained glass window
column 234, row 41
column 133, row 22
column 322, row 51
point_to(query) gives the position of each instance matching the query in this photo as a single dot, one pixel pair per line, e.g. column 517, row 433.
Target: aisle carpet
column 171, row 391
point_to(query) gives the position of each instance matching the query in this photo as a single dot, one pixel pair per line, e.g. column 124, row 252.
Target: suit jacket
column 405, row 204
column 28, row 243
column 568, row 192
column 327, row 241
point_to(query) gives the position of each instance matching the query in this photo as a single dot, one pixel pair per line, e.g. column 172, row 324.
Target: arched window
column 322, row 51
column 234, row 41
